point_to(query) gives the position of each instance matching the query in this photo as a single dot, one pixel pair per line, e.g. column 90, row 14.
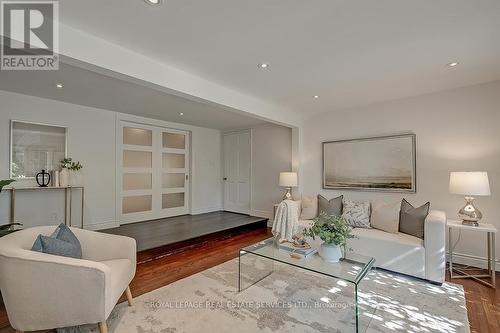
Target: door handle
column 225, row 178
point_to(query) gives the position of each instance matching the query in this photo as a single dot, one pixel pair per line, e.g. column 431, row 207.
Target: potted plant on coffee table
column 334, row 231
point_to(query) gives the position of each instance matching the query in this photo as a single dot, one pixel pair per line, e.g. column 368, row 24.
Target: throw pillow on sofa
column 309, row 207
column 357, row 214
column 61, row 242
column 412, row 220
column 385, row 216
column 330, row 207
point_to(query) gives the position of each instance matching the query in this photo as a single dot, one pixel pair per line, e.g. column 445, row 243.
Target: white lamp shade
column 469, row 183
column 288, row 179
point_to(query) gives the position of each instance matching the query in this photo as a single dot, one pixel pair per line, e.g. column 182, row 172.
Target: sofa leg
column 129, row 296
column 103, row 327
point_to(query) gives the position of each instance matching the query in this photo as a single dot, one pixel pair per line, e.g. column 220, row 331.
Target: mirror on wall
column 34, row 147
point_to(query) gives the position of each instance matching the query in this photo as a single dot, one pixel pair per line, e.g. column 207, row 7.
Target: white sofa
column 402, row 253
column 43, row 291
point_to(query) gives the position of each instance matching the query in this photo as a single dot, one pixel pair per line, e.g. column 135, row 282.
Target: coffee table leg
column 244, row 254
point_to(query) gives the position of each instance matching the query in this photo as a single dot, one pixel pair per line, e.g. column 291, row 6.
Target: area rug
column 289, row 300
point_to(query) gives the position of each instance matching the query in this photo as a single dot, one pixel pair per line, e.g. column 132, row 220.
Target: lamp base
column 288, row 194
column 469, row 214
column 470, row 223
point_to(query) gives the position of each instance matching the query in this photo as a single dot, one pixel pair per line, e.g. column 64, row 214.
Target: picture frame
column 381, row 164
column 35, row 146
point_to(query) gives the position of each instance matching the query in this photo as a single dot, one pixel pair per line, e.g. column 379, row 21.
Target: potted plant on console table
column 334, row 231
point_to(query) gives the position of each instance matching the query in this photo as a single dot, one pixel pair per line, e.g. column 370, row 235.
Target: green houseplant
column 6, row 229
column 334, row 231
column 5, row 183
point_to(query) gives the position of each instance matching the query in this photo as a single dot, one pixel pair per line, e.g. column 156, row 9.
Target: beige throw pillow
column 357, row 214
column 309, row 207
column 385, row 216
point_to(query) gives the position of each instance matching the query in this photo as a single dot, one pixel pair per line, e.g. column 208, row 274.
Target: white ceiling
column 90, row 88
column 349, row 52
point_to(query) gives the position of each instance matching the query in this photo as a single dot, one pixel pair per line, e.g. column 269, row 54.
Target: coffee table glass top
column 352, row 268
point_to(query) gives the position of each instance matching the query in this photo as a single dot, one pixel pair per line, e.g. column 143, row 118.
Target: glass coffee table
column 352, row 269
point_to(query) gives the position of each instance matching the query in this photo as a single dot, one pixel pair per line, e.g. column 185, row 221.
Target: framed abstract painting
column 386, row 164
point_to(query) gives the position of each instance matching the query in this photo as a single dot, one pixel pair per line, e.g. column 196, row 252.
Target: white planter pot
column 330, row 253
column 64, row 178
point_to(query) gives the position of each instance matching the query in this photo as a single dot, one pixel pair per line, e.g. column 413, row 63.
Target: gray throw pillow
column 61, row 242
column 412, row 220
column 331, row 207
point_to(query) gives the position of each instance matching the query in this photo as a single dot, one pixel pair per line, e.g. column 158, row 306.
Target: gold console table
column 68, row 198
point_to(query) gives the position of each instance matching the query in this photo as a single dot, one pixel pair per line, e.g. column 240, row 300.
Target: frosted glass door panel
column 137, row 181
column 172, row 200
column 173, row 180
column 137, row 159
column 137, row 136
column 136, row 204
column 174, row 140
column 173, row 161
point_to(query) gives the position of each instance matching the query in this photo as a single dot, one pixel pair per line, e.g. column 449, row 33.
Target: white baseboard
column 203, row 210
column 475, row 261
column 102, row 225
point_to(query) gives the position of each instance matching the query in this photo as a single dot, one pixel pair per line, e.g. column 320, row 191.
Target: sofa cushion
column 385, row 216
column 357, row 214
column 412, row 220
column 330, row 207
column 61, row 242
column 56, row 247
column 309, row 207
column 396, row 252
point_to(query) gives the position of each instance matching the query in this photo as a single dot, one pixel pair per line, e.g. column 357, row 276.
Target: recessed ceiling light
column 153, row 2
column 452, row 64
column 181, row 113
column 263, row 65
column 59, row 85
column 316, row 96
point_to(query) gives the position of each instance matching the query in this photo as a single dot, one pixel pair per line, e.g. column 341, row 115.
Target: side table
column 490, row 232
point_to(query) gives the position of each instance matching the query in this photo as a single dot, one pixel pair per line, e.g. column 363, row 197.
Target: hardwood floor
column 159, row 267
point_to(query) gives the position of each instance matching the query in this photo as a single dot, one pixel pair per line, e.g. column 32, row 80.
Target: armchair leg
column 103, row 327
column 129, row 296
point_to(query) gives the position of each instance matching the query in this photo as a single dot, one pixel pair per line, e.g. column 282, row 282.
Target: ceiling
column 350, row 53
column 90, row 88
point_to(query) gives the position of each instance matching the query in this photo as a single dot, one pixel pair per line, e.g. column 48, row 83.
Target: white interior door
column 153, row 165
column 237, row 163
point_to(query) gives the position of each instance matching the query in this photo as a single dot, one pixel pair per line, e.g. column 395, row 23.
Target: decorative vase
column 75, row 178
column 64, row 178
column 330, row 253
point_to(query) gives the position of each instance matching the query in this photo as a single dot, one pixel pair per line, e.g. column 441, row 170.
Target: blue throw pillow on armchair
column 62, row 242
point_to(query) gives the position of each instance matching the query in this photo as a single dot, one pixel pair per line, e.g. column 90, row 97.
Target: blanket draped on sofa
column 286, row 220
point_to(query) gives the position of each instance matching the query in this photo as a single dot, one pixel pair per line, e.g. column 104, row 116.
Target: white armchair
column 43, row 291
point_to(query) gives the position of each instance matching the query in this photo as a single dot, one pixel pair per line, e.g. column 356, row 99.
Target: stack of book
column 297, row 251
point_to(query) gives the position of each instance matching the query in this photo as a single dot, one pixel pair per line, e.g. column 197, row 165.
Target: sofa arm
column 43, row 291
column 435, row 246
column 101, row 246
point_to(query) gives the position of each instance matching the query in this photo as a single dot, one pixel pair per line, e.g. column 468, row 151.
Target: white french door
column 237, row 163
column 154, row 170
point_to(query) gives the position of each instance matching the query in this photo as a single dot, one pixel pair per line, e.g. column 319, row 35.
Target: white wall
column 271, row 154
column 456, row 130
column 91, row 139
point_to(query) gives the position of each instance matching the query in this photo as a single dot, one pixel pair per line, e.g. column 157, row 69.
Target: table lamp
column 469, row 184
column 288, row 180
